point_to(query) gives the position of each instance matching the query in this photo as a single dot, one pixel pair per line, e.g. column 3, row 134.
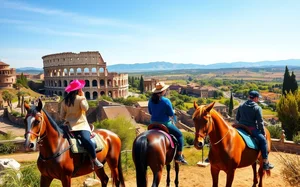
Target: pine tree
column 286, row 82
column 294, row 84
column 142, row 84
column 288, row 110
column 230, row 105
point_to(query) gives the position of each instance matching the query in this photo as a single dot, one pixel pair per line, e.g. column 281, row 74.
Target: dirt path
column 193, row 176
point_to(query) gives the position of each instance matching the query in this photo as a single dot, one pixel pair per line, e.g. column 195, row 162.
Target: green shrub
column 122, row 127
column 275, row 131
column 296, row 139
column 188, row 138
column 93, row 104
column 8, row 148
column 30, row 176
column 7, row 136
column 16, row 113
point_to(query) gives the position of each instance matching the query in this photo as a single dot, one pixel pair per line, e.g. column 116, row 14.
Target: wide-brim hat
column 159, row 87
column 75, row 85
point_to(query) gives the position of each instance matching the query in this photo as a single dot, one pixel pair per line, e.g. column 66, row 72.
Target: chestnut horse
column 228, row 150
column 153, row 148
column 56, row 160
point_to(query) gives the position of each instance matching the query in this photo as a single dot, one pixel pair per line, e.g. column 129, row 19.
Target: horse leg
column 176, row 174
column 45, row 181
column 230, row 176
column 66, row 181
column 168, row 174
column 255, row 181
column 215, row 176
column 102, row 176
column 261, row 174
column 157, row 177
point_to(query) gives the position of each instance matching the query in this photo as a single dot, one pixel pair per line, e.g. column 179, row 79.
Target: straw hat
column 159, row 87
column 75, row 85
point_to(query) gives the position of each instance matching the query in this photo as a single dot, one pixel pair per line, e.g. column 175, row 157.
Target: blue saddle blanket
column 250, row 141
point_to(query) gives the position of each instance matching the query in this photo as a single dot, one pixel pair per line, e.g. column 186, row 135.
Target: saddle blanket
column 78, row 148
column 169, row 137
column 250, row 141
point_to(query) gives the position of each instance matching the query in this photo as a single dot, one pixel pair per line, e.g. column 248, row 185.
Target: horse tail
column 120, row 172
column 140, row 160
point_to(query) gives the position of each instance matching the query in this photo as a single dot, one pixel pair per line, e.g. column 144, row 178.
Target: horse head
column 203, row 123
column 33, row 125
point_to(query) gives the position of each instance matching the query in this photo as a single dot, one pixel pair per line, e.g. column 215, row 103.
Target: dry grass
column 291, row 169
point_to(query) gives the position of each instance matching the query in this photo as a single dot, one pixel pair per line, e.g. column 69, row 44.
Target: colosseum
column 61, row 68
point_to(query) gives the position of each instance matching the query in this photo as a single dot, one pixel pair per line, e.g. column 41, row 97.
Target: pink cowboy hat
column 75, row 85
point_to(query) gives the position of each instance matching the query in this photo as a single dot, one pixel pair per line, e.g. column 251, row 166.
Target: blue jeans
column 176, row 132
column 85, row 138
column 262, row 142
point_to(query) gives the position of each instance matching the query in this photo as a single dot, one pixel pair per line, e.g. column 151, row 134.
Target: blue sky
column 200, row 31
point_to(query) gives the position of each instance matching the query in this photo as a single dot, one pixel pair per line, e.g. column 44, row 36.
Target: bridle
column 210, row 121
column 38, row 135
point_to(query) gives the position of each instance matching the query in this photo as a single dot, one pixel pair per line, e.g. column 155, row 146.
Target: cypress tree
column 294, row 84
column 286, row 82
column 142, row 85
column 230, row 105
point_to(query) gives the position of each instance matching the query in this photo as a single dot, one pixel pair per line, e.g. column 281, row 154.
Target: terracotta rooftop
column 3, row 64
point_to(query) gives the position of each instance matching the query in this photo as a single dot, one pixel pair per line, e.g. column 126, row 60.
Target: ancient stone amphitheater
column 61, row 68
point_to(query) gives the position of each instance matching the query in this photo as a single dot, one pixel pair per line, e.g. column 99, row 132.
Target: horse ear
column 40, row 106
column 209, row 107
column 195, row 105
column 27, row 107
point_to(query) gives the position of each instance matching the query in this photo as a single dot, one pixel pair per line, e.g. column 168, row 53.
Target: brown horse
column 228, row 150
column 56, row 160
column 153, row 148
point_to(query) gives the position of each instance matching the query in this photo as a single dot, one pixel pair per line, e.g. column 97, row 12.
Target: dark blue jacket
column 250, row 114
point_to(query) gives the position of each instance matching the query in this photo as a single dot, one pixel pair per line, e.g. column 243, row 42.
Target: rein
column 41, row 137
column 206, row 132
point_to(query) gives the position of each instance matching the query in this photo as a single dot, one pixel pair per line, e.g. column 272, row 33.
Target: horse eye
column 36, row 122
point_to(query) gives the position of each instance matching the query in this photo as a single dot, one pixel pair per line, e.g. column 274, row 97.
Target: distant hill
column 30, row 70
column 159, row 66
column 164, row 66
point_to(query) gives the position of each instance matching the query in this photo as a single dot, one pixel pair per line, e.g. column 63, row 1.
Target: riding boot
column 180, row 159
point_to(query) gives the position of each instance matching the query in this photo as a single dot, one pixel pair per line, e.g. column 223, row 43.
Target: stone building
column 7, row 76
column 61, row 68
column 149, row 84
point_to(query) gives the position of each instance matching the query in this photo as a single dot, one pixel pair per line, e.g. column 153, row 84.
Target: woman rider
column 161, row 110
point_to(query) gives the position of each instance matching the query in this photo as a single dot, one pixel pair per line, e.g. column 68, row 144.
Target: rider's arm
column 260, row 121
column 170, row 111
column 62, row 111
column 149, row 108
column 238, row 115
column 83, row 103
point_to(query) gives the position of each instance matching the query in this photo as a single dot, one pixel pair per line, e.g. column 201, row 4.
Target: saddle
column 163, row 129
column 76, row 145
column 246, row 134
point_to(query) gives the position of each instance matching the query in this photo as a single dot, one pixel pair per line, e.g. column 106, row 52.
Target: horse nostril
column 200, row 144
column 31, row 145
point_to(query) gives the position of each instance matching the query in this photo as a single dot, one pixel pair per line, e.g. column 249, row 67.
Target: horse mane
column 200, row 109
column 53, row 123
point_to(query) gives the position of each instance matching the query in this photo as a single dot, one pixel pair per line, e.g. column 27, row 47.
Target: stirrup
column 98, row 164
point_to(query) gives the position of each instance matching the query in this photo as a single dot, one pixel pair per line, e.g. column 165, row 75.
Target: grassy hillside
column 30, row 92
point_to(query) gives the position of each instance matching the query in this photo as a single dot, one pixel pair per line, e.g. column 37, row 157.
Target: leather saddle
column 76, row 145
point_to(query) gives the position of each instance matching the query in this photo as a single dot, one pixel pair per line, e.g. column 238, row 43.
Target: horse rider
column 250, row 114
column 73, row 110
column 161, row 110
